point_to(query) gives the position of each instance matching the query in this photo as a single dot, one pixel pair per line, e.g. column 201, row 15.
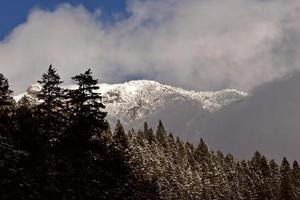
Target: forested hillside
column 63, row 148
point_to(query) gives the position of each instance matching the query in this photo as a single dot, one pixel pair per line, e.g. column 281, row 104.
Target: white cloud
column 200, row 44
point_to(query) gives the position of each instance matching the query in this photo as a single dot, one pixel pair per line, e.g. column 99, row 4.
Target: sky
column 194, row 44
column 15, row 12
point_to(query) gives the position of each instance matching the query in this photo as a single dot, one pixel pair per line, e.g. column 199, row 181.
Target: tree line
column 62, row 147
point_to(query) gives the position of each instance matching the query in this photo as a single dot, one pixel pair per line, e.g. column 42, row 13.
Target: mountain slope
column 229, row 120
column 137, row 101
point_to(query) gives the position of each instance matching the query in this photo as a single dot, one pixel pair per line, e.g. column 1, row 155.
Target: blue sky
column 15, row 12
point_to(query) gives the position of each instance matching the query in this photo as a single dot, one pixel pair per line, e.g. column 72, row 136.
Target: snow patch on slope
column 137, row 99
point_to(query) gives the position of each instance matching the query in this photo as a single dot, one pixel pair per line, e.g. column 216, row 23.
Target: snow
column 139, row 98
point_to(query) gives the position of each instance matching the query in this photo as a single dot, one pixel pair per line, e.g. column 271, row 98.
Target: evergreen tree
column 31, row 139
column 86, row 113
column 12, row 179
column 275, row 179
column 50, row 150
column 51, row 108
column 202, row 153
column 161, row 135
column 149, row 133
column 6, row 106
column 82, row 142
column 87, row 103
column 13, row 182
column 5, row 93
column 51, row 92
column 286, row 187
column 296, row 179
column 120, row 137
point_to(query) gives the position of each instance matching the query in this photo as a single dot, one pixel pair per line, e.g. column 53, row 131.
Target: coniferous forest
column 62, row 147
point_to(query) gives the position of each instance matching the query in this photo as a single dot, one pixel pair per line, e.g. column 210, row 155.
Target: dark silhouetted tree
column 51, row 108
column 5, row 92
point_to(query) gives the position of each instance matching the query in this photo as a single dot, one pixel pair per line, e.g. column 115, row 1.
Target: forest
column 62, row 147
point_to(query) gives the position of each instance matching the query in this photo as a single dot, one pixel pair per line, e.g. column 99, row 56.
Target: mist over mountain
column 59, row 135
column 135, row 102
column 267, row 120
column 150, row 99
column 229, row 120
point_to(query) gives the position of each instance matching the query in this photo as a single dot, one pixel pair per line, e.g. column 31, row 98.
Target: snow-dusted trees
column 183, row 171
column 63, row 148
column 296, row 178
column 286, row 186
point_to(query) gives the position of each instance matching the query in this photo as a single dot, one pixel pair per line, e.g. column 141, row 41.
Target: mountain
column 138, row 101
column 229, row 120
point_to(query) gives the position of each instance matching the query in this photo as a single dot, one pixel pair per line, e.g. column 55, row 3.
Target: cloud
column 198, row 44
column 267, row 121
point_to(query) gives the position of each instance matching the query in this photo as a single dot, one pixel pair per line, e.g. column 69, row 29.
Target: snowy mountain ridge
column 138, row 98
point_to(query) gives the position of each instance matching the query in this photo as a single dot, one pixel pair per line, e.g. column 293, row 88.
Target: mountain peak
column 138, row 98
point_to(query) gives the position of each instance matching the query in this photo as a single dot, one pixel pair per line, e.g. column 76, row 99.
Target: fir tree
column 5, row 93
column 50, row 110
column 149, row 133
column 201, row 152
column 13, row 183
column 161, row 134
column 51, row 92
column 296, row 179
column 90, row 162
column 6, row 106
column 86, row 111
column 120, row 137
column 286, row 187
column 87, row 102
column 275, row 179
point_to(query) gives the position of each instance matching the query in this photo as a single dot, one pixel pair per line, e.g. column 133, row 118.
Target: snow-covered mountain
column 137, row 101
column 228, row 120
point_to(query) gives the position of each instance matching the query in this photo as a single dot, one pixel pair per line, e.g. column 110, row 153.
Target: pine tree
column 51, row 92
column 161, row 135
column 13, row 183
column 286, row 187
column 90, row 162
column 148, row 132
column 86, row 111
column 87, row 102
column 120, row 137
column 275, row 179
column 264, row 189
column 202, row 153
column 296, row 179
column 83, row 146
column 6, row 106
column 5, row 93
column 50, row 110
